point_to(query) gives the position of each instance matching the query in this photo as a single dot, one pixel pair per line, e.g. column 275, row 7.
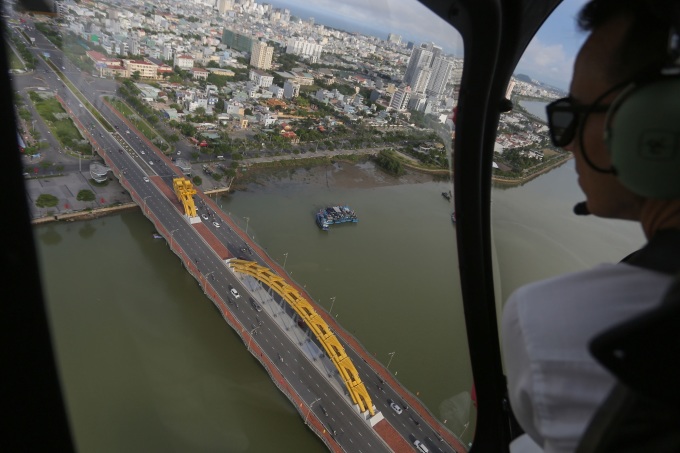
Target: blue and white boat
column 334, row 215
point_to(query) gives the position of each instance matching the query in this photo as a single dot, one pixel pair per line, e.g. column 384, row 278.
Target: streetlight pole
column 391, row 354
column 247, row 221
column 284, row 260
column 252, row 332
column 330, row 312
column 310, row 409
column 145, row 203
column 171, row 233
column 466, row 427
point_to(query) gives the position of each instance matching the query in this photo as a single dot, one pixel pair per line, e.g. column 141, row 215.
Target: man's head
column 628, row 39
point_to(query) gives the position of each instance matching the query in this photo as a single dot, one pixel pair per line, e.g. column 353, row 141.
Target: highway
column 272, row 328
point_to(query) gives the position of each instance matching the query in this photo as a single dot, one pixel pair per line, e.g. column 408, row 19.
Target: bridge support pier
column 372, row 421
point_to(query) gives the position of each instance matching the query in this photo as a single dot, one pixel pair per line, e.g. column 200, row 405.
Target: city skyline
column 548, row 58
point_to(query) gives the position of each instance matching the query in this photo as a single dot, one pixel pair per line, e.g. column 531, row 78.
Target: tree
column 187, row 129
column 46, row 200
column 85, row 195
column 136, row 75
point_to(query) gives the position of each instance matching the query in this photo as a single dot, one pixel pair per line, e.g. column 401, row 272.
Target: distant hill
column 523, row 78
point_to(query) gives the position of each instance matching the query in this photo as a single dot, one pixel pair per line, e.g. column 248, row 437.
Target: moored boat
column 335, row 214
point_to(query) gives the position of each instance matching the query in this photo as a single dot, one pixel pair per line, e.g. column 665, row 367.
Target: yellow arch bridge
column 316, row 324
column 185, row 192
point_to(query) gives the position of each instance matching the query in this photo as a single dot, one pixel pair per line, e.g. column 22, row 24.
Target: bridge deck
column 214, row 243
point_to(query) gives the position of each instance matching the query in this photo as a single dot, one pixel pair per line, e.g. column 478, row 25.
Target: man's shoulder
column 613, row 277
column 583, row 303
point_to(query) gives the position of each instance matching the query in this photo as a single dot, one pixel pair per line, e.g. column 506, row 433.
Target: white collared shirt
column 554, row 384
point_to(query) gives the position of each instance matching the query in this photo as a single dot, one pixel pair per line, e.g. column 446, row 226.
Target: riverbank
column 338, row 171
column 511, row 182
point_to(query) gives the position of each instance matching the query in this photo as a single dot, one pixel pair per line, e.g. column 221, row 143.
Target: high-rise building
column 237, row 41
column 508, row 91
column 391, row 37
column 420, row 58
column 436, row 51
column 308, row 49
column 261, row 55
column 421, row 80
column 428, row 70
column 400, row 98
column 441, row 73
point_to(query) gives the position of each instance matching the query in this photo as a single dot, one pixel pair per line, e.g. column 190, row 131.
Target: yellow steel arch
column 316, row 324
column 185, row 192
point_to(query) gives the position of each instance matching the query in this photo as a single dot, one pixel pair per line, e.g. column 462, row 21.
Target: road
column 273, row 329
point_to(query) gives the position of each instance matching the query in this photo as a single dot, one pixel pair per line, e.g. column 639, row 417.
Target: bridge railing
column 352, row 342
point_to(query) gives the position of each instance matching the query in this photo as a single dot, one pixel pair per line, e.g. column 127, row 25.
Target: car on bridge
column 396, row 408
column 217, row 225
column 146, row 179
column 420, row 446
column 205, row 216
column 235, row 293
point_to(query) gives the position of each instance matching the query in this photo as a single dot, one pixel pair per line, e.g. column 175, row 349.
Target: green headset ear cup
column 643, row 137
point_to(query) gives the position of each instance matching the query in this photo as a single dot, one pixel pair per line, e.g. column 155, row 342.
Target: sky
column 548, row 58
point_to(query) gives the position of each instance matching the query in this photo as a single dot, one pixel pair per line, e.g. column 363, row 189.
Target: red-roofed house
column 184, row 61
column 146, row 69
column 199, row 73
column 164, row 69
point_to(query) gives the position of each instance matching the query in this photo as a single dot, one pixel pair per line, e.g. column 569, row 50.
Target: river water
column 149, row 365
column 536, row 108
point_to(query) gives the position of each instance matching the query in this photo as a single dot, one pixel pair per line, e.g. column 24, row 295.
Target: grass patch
column 14, row 60
column 60, row 123
column 79, row 95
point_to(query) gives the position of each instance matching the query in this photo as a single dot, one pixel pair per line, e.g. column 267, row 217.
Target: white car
column 142, row 151
column 217, row 225
column 150, row 162
column 420, row 446
column 396, row 408
column 235, row 293
column 146, row 179
column 205, row 216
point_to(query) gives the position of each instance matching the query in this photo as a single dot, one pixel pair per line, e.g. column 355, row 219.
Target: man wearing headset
column 622, row 122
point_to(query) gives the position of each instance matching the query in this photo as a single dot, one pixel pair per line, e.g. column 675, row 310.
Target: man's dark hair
column 645, row 46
